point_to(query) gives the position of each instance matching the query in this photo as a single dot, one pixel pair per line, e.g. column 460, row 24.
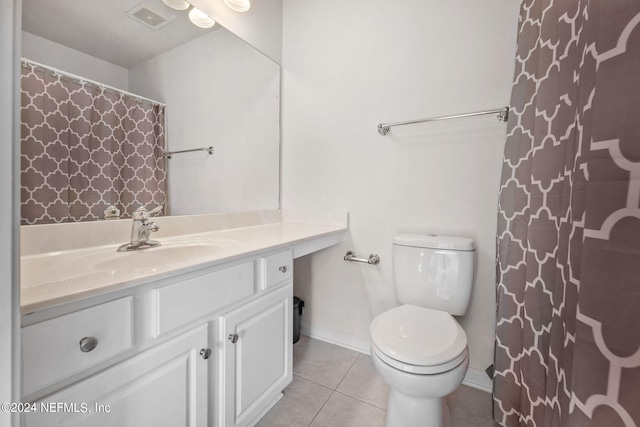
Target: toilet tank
column 434, row 271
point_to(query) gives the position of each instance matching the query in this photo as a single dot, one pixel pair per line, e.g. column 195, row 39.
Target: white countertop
column 54, row 278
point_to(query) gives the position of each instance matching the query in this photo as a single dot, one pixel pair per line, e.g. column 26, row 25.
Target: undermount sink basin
column 156, row 256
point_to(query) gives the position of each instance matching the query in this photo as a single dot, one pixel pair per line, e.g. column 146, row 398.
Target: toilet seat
column 418, row 340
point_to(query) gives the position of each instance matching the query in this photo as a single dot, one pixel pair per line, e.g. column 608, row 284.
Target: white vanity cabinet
column 208, row 348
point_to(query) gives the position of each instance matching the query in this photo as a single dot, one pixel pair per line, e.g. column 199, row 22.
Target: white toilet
column 419, row 348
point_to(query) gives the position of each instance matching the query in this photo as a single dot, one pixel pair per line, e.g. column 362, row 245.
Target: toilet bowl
column 422, row 355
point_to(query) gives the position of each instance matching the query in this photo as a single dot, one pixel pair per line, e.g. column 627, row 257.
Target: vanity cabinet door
column 256, row 357
column 163, row 386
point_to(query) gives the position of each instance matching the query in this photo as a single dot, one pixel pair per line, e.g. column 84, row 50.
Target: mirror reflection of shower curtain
column 86, row 147
column 568, row 261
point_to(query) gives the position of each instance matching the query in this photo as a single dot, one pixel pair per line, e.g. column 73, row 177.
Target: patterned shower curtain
column 568, row 264
column 86, row 147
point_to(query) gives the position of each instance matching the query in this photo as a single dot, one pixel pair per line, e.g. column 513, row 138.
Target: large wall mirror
column 185, row 88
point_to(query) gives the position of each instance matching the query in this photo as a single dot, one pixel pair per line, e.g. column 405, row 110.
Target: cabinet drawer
column 185, row 301
column 277, row 269
column 51, row 350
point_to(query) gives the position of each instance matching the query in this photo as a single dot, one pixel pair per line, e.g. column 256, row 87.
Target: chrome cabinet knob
column 282, row 268
column 88, row 343
column 205, row 353
column 233, row 338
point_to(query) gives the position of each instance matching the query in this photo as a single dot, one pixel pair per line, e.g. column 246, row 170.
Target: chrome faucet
column 141, row 229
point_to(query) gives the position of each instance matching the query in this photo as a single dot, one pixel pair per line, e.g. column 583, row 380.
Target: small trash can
column 298, row 308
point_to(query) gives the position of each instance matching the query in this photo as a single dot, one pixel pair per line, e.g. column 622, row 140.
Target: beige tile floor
column 336, row 387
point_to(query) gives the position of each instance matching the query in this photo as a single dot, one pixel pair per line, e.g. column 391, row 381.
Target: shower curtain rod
column 502, row 116
column 28, row 62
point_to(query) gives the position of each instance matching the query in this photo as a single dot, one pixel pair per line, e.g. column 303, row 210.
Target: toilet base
column 407, row 411
column 418, row 400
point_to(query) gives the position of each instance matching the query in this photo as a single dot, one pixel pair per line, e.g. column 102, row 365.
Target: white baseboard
column 476, row 378
column 332, row 336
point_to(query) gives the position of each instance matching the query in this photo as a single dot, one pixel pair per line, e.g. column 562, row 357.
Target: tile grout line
column 345, row 395
column 348, row 370
column 322, row 407
column 339, row 382
column 355, row 397
column 333, row 390
column 325, row 402
column 360, row 400
column 315, row 382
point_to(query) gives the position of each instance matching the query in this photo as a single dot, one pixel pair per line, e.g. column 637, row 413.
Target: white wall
column 219, row 91
column 348, row 66
column 260, row 26
column 9, row 211
column 75, row 62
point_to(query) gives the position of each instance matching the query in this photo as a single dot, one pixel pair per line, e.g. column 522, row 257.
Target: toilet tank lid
column 435, row 241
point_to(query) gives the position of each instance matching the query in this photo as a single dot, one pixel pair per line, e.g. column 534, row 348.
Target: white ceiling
column 102, row 29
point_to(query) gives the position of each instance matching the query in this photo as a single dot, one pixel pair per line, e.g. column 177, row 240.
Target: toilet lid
column 418, row 335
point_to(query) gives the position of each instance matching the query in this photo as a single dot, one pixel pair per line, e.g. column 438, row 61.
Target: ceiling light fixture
column 200, row 19
column 177, row 4
column 196, row 16
column 238, row 5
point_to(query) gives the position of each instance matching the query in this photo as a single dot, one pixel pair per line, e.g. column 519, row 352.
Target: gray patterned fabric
column 568, row 263
column 84, row 148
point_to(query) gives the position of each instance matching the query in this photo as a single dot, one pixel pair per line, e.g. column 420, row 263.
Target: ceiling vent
column 148, row 17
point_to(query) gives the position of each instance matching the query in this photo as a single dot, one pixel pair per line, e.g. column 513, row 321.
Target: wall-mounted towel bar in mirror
column 169, row 154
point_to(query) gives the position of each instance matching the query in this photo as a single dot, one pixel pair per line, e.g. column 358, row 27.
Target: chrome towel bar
column 374, row 259
column 502, row 115
column 170, row 154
